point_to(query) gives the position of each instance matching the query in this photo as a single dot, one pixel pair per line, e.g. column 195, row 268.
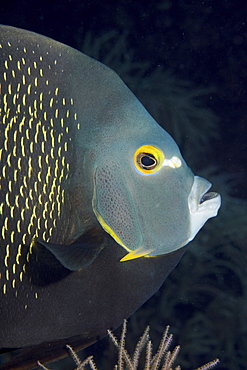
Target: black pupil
column 147, row 161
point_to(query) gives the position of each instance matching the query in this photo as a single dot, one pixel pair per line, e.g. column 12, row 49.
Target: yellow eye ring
column 148, row 159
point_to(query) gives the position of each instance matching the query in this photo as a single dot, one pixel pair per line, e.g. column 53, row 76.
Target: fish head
column 146, row 197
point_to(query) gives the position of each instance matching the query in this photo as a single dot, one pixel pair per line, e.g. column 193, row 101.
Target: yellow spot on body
column 7, row 274
column 12, row 209
column 15, row 136
column 4, row 171
column 31, row 194
column 19, row 163
column 22, row 123
column 52, row 153
column 14, row 99
column 22, row 214
column 7, row 199
column 27, row 134
column 6, row 256
column 40, row 161
column 30, row 172
column 6, row 221
column 27, row 203
column 24, row 238
column 17, row 200
column 21, row 276
column 25, row 181
column 12, row 237
column 31, row 146
column 40, row 199
column 19, row 255
column 8, row 160
column 35, row 104
column 10, row 186
column 18, row 226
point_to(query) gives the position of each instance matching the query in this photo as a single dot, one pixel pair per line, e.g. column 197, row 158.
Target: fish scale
column 34, row 149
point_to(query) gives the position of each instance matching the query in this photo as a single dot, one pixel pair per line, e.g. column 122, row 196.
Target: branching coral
column 163, row 359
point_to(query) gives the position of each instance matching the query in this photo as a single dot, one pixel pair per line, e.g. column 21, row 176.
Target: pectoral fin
column 81, row 253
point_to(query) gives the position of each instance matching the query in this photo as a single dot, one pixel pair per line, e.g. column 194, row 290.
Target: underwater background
column 186, row 61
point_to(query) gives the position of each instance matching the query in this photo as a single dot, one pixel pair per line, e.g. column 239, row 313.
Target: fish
column 97, row 204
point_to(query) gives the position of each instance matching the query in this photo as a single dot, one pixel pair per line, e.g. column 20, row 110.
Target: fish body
column 96, row 201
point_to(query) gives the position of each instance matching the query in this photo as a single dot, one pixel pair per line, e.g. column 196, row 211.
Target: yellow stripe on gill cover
column 133, row 254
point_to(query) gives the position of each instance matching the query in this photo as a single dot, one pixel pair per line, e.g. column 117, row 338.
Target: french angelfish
column 96, row 200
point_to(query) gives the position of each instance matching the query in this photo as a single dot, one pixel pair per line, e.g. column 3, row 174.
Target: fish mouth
column 208, row 196
column 203, row 204
column 201, row 199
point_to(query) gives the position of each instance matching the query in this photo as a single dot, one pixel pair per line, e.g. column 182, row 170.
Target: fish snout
column 202, row 204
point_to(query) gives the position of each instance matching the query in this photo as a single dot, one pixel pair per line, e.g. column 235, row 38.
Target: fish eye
column 148, row 159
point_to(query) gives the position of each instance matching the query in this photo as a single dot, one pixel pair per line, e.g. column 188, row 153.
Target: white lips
column 200, row 212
